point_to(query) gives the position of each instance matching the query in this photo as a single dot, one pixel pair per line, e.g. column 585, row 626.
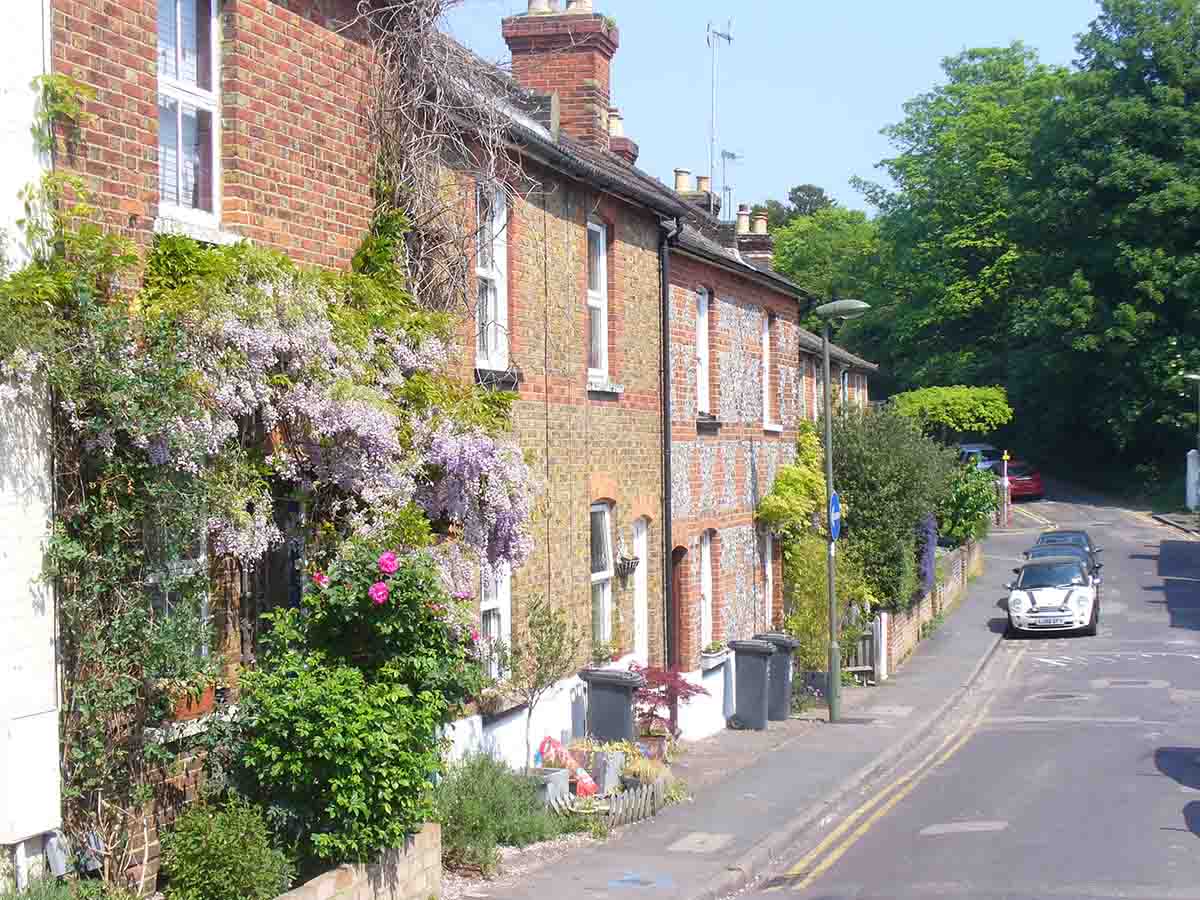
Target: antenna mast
column 714, row 39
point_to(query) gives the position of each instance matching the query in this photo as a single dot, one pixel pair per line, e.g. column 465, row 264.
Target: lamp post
column 827, row 312
column 1196, row 378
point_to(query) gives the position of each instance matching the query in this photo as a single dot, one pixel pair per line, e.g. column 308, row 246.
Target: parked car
column 983, row 454
column 1041, row 551
column 1074, row 536
column 1054, row 593
column 1024, row 481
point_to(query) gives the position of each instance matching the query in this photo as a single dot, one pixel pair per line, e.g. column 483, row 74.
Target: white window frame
column 598, row 300
column 766, row 369
column 495, row 595
column 170, row 571
column 844, row 393
column 703, row 398
column 182, row 92
column 604, row 578
column 706, row 590
column 493, row 354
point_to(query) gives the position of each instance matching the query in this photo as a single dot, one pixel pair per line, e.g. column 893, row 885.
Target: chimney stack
column 569, row 54
column 683, row 181
column 700, row 196
column 703, row 183
column 755, row 244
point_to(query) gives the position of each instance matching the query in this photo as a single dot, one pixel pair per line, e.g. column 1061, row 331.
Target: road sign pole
column 833, row 689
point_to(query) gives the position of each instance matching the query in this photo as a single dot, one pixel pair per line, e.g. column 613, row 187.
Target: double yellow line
column 837, row 843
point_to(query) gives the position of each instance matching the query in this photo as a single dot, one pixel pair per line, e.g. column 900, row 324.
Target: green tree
column 943, row 412
column 803, row 200
column 829, row 252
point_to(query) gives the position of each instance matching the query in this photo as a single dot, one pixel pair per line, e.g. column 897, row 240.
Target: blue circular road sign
column 835, row 516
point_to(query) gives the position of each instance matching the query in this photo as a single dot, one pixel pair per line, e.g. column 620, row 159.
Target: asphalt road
column 1072, row 769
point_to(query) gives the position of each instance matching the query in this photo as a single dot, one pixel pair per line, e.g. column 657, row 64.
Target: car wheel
column 1011, row 631
column 1092, row 626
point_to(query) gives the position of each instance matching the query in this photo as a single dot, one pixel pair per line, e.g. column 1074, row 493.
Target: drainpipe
column 669, row 235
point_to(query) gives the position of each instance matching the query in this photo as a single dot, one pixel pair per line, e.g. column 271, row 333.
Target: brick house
column 744, row 374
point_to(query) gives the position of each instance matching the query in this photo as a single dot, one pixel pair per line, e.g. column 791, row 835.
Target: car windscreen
column 1054, row 575
column 1019, row 470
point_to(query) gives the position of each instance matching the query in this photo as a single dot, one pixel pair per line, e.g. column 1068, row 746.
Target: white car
column 1053, row 593
column 985, row 455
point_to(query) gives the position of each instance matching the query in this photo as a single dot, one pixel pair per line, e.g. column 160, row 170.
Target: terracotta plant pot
column 187, row 708
column 655, row 744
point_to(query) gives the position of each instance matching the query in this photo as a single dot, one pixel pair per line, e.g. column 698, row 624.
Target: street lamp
column 1196, row 378
column 838, row 309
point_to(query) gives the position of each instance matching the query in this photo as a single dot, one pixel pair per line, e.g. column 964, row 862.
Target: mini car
column 1053, row 593
column 1024, row 481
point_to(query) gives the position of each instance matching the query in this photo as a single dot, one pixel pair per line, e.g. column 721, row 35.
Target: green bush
column 965, row 513
column 223, row 853
column 483, row 805
column 41, row 889
column 890, row 477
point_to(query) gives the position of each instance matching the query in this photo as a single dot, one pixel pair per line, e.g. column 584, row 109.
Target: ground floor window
column 602, row 573
column 495, row 615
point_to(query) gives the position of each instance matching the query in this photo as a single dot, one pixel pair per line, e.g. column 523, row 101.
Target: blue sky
column 806, row 85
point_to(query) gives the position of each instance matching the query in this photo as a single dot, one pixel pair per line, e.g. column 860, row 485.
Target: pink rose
column 321, row 580
column 388, row 564
column 378, row 593
column 474, row 635
column 437, row 609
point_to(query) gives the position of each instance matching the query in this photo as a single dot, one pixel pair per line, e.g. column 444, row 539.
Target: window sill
column 604, row 386
column 707, row 422
column 206, row 234
column 502, row 379
column 772, row 428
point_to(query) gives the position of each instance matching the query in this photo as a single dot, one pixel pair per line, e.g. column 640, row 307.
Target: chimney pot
column 581, row 7
column 759, row 220
column 743, row 218
column 683, row 180
column 616, row 123
column 539, row 7
column 703, row 183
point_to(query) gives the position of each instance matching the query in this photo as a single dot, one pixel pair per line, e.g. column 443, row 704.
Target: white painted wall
column 703, row 716
column 29, row 786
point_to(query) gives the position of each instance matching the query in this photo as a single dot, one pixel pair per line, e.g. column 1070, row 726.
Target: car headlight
column 1016, row 602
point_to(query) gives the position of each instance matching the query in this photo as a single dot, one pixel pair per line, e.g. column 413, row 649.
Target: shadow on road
column 1179, row 568
column 1183, row 765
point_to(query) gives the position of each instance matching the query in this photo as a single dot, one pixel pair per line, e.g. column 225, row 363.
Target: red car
column 1024, row 481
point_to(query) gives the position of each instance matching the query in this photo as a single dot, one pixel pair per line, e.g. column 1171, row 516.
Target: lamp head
column 842, row 309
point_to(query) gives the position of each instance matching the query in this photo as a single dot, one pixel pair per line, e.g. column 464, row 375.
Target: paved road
column 1072, row 769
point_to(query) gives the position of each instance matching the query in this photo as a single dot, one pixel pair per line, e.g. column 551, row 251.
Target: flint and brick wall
column 295, row 147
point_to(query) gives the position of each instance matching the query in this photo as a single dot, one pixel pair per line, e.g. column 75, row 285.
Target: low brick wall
column 175, row 786
column 413, row 872
column 904, row 626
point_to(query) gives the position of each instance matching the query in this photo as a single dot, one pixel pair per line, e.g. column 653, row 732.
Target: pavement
column 758, row 794
column 1070, row 767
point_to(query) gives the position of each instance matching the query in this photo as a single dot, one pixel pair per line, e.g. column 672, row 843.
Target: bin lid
column 783, row 642
column 616, row 677
column 755, row 647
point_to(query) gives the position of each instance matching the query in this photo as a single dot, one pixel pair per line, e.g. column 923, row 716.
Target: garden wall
column 904, row 626
column 412, row 872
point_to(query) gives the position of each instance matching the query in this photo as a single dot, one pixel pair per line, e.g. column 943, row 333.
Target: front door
column 641, row 607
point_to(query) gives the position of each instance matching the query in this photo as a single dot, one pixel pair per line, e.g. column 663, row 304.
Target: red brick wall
column 295, row 149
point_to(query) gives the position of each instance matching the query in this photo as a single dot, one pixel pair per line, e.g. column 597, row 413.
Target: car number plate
column 1053, row 620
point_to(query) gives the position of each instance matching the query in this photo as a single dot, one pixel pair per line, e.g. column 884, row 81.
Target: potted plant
column 641, row 770
column 713, row 655
column 605, row 652
column 181, row 677
column 657, row 706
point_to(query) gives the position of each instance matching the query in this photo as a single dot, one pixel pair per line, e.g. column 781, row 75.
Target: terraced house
column 657, row 360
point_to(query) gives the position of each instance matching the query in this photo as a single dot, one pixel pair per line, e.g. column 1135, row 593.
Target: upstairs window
column 188, row 114
column 495, row 615
column 491, row 271
column 602, row 573
column 703, row 403
column 597, row 301
column 768, row 320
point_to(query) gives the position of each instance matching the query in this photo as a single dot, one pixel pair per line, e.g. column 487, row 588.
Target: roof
column 524, row 109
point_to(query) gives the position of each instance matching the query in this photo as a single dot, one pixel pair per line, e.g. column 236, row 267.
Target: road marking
column 1034, row 516
column 883, row 802
column 1053, row 662
column 961, row 828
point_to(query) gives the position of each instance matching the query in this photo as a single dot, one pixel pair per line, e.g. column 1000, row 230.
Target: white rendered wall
column 29, row 785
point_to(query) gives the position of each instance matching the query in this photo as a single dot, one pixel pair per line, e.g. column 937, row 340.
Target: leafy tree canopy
column 803, row 200
column 944, row 411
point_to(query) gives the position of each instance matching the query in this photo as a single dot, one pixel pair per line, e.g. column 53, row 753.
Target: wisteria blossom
column 482, row 485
